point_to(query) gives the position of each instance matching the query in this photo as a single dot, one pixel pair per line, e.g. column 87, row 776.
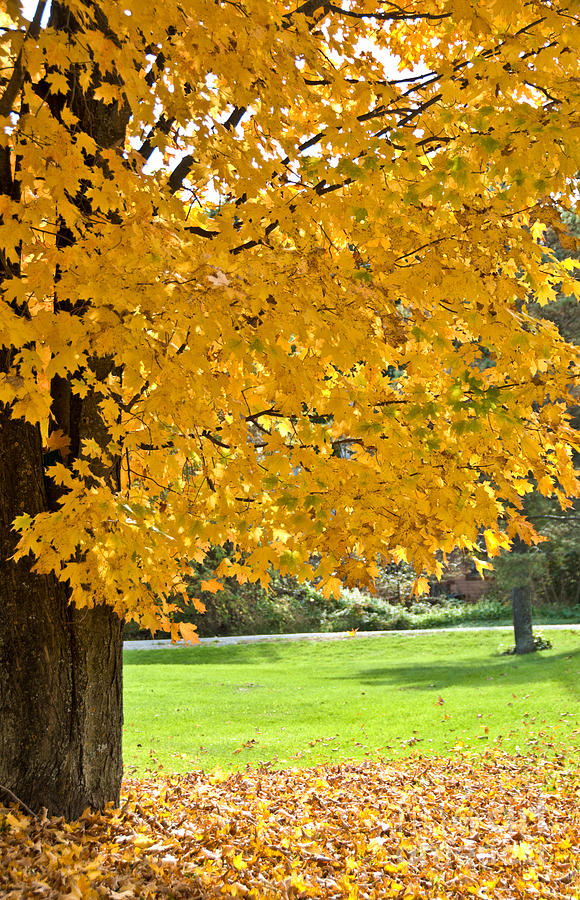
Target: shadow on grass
column 538, row 667
column 236, row 654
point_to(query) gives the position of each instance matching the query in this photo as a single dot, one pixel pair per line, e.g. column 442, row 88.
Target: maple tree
column 235, row 239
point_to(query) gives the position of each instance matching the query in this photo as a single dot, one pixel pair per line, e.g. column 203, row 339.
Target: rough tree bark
column 522, row 615
column 60, row 668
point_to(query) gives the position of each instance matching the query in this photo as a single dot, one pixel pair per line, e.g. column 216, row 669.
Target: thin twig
column 18, row 800
column 557, row 518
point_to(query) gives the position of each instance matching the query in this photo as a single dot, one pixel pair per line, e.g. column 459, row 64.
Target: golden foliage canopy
column 255, row 233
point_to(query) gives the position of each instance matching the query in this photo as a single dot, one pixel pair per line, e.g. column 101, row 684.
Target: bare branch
column 18, row 73
column 234, row 118
column 265, row 412
column 397, row 16
column 180, row 173
column 163, row 126
column 557, row 518
column 21, row 803
column 183, row 168
column 310, row 7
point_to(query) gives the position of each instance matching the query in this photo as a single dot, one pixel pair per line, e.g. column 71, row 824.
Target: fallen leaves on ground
column 497, row 826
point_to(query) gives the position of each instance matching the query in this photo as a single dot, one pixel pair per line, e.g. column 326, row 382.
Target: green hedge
column 290, row 607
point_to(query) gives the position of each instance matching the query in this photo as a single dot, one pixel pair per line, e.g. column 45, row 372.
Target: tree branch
column 180, row 173
column 163, row 126
column 183, row 168
column 18, row 800
column 265, row 412
column 310, row 7
column 557, row 518
column 18, row 73
column 398, row 16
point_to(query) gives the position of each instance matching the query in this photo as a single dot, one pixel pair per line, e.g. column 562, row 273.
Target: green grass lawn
column 304, row 703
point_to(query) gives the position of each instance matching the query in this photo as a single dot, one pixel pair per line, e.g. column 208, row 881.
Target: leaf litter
column 491, row 826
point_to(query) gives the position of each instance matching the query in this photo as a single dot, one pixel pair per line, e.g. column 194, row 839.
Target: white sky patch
column 29, row 8
column 390, row 64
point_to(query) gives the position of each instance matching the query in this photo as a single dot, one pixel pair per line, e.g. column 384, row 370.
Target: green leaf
column 21, row 523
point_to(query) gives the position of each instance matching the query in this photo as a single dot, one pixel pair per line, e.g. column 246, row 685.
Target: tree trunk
column 522, row 613
column 60, row 668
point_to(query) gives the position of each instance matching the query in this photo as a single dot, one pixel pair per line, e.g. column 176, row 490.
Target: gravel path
column 326, row 636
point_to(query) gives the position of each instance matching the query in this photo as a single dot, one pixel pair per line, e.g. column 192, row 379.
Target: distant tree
column 551, row 573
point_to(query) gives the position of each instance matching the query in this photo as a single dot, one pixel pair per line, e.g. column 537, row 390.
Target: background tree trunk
column 522, row 614
column 60, row 668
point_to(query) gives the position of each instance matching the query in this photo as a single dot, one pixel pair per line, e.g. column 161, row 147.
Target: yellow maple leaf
column 239, row 863
column 213, row 586
column 58, row 440
column 420, row 586
column 188, row 632
column 481, row 564
column 494, row 542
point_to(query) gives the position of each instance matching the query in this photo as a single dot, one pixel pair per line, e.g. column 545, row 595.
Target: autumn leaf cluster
column 290, row 279
column 499, row 826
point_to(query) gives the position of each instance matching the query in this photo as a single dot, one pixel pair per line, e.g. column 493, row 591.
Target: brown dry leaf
column 486, row 826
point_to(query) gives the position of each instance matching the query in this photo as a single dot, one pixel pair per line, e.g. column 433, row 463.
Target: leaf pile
column 495, row 826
